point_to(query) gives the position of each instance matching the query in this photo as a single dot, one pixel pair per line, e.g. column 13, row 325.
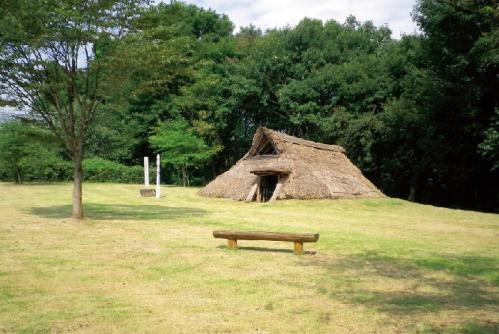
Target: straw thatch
column 305, row 170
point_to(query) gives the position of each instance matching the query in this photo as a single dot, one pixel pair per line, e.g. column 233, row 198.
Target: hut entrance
column 267, row 187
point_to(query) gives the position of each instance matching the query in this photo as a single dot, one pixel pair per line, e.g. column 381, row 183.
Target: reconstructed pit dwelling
column 279, row 166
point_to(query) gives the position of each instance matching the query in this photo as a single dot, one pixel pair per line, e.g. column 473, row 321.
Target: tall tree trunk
column 184, row 175
column 412, row 193
column 77, row 187
column 414, row 187
column 18, row 174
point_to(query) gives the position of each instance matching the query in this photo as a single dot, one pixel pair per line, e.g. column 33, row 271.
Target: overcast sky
column 278, row 13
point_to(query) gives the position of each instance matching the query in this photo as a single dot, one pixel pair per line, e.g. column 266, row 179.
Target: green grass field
column 152, row 266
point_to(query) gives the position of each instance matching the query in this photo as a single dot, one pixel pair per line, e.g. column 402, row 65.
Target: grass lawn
column 152, row 266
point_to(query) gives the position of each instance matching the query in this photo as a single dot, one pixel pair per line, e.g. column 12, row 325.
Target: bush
column 102, row 170
column 30, row 153
column 54, row 169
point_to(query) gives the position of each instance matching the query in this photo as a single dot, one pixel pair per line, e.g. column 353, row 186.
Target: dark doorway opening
column 267, row 187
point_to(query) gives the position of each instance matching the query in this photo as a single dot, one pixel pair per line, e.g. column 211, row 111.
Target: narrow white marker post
column 158, row 190
column 146, row 171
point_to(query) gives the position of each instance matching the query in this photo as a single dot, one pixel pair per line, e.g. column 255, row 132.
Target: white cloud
column 279, row 13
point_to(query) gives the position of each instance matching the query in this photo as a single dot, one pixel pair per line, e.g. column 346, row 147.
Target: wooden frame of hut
column 279, row 166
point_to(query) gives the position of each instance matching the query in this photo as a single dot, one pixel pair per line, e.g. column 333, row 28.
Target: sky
column 278, row 13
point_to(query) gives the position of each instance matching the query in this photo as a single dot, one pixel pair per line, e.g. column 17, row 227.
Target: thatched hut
column 279, row 166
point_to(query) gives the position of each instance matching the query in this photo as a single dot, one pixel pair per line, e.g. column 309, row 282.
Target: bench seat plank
column 271, row 236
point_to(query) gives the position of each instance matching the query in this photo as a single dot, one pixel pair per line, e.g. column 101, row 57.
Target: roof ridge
column 299, row 141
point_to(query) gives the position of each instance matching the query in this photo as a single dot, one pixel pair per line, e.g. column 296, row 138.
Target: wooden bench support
column 297, row 238
column 232, row 243
column 298, row 248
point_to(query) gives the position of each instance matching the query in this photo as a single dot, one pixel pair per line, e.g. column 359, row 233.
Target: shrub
column 102, row 170
column 30, row 153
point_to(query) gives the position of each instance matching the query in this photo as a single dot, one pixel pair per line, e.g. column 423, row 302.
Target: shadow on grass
column 118, row 212
column 412, row 285
column 267, row 249
column 468, row 327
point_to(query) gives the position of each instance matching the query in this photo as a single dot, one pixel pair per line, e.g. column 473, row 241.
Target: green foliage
column 180, row 146
column 55, row 69
column 101, row 170
column 162, row 54
column 29, row 153
column 489, row 148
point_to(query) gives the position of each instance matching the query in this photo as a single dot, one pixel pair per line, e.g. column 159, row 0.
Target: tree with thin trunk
column 55, row 62
column 180, row 147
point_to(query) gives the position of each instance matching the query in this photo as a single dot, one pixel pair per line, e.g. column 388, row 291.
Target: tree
column 459, row 46
column 167, row 50
column 52, row 65
column 180, row 146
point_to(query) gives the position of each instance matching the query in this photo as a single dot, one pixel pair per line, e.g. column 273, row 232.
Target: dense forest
column 418, row 115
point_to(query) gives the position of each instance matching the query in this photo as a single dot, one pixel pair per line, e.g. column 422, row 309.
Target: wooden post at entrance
column 252, row 192
column 276, row 190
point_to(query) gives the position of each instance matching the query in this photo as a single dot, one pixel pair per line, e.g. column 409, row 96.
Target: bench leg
column 232, row 243
column 298, row 248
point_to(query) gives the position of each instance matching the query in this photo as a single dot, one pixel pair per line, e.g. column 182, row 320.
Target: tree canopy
column 180, row 146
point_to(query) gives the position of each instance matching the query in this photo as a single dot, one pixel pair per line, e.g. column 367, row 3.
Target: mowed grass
column 152, row 266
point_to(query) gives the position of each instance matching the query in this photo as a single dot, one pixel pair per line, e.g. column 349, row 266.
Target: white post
column 158, row 190
column 146, row 171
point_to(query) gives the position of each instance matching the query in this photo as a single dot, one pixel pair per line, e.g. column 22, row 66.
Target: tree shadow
column 118, row 212
column 412, row 285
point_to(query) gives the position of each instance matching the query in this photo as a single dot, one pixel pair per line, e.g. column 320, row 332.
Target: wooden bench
column 297, row 238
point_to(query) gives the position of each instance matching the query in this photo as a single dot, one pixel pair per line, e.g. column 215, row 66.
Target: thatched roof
column 306, row 170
